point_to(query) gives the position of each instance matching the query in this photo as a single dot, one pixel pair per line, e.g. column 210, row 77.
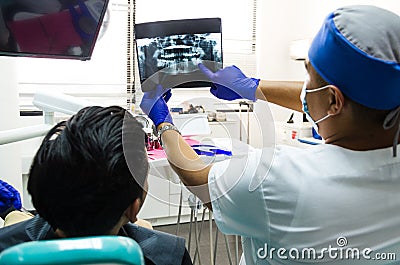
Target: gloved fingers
column 234, row 66
column 17, row 203
column 147, row 101
column 154, row 105
column 235, row 72
column 214, row 90
column 256, row 81
column 11, row 194
column 5, row 192
column 10, row 188
column 5, row 200
column 160, row 91
column 149, row 94
column 223, row 92
column 206, row 71
column 16, row 197
column 150, row 98
column 4, row 205
column 3, row 183
column 167, row 95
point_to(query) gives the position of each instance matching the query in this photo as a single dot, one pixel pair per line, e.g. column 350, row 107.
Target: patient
column 89, row 177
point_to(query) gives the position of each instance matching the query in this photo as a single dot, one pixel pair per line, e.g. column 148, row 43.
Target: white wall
column 158, row 10
column 10, row 165
column 281, row 22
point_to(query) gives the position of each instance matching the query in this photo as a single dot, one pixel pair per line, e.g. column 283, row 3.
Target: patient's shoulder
column 173, row 247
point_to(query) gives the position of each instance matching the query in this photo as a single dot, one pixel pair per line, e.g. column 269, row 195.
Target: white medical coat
column 308, row 200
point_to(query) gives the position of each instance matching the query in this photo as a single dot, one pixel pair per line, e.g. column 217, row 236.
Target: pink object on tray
column 155, row 154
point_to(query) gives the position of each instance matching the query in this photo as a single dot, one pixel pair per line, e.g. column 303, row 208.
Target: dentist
column 341, row 195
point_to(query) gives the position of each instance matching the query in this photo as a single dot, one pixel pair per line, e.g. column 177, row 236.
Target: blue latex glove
column 154, row 104
column 230, row 83
column 9, row 197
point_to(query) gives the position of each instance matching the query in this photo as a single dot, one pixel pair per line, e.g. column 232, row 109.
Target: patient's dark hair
column 80, row 180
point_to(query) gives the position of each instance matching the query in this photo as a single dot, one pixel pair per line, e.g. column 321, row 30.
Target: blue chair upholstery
column 108, row 250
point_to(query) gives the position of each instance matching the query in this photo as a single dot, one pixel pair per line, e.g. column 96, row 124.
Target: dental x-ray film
column 169, row 52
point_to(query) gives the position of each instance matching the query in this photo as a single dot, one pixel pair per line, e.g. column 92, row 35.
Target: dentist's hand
column 154, row 104
column 230, row 83
column 9, row 197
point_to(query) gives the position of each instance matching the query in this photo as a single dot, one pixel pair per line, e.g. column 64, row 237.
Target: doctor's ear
column 336, row 100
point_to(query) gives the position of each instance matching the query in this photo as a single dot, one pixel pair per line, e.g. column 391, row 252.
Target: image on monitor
column 169, row 51
column 50, row 28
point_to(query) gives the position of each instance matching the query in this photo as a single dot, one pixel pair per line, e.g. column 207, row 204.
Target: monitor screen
column 50, row 28
column 168, row 52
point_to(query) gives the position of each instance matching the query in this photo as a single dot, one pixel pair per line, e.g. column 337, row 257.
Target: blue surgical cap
column 357, row 49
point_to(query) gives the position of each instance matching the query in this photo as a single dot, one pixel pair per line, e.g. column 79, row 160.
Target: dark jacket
column 158, row 248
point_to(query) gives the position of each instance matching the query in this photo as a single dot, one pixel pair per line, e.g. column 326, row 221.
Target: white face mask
column 304, row 91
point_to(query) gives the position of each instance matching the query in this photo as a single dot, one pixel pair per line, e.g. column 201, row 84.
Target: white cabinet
column 225, row 129
column 237, row 127
column 162, row 202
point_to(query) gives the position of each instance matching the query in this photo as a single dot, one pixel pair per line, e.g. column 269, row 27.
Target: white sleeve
column 238, row 206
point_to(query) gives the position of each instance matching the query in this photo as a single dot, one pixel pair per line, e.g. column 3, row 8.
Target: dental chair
column 110, row 250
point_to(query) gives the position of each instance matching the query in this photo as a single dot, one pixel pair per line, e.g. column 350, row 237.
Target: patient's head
column 80, row 180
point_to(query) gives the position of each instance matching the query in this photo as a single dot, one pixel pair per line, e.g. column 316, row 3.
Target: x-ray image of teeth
column 177, row 54
column 179, row 59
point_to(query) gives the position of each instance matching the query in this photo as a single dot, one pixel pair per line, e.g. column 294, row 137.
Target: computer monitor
column 50, row 28
column 168, row 52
